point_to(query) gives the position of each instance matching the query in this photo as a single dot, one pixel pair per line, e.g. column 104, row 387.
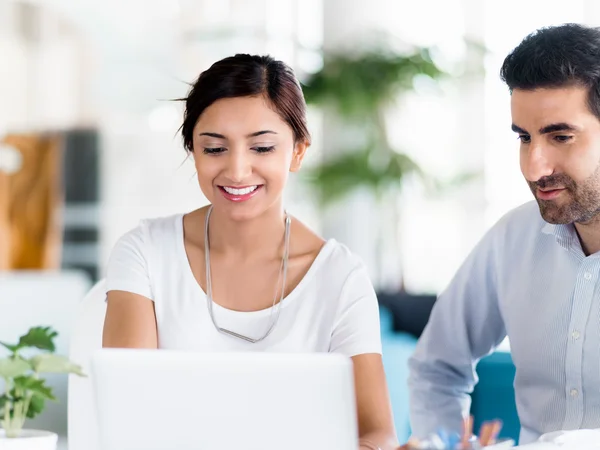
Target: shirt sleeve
column 127, row 268
column 356, row 328
column 465, row 325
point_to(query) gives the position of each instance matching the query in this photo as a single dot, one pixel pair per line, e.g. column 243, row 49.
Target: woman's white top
column 332, row 309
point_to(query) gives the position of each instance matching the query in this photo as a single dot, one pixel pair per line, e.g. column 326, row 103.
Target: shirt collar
column 565, row 235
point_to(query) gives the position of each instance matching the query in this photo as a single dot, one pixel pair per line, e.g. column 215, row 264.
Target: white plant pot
column 29, row 440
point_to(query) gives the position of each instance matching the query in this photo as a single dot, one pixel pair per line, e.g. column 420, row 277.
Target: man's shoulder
column 525, row 217
column 519, row 227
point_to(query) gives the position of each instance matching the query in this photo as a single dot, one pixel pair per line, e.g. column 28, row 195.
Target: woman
column 206, row 280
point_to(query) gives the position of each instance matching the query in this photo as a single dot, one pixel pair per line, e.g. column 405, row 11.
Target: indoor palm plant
column 358, row 88
column 25, row 390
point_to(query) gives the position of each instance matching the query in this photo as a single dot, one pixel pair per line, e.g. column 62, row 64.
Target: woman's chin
column 237, row 212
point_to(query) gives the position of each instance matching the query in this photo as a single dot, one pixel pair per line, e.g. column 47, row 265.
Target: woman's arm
column 130, row 321
column 375, row 423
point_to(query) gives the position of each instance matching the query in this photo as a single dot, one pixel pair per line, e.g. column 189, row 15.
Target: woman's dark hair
column 559, row 56
column 245, row 76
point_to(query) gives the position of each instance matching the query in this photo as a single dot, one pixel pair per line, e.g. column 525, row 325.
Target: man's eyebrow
column 518, row 129
column 554, row 127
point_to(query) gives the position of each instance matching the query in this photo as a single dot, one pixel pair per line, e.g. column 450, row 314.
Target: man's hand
column 488, row 434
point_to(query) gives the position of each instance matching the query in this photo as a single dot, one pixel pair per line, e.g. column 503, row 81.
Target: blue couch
column 493, row 396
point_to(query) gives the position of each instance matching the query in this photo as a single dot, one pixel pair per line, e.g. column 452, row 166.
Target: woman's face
column 243, row 152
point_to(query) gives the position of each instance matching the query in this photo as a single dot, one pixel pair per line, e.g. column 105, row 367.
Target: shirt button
column 587, row 276
column 575, row 334
column 574, row 392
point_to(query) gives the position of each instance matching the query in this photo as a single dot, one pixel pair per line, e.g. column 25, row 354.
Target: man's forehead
column 540, row 108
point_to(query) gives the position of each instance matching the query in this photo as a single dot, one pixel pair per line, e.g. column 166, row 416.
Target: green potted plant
column 359, row 87
column 25, row 391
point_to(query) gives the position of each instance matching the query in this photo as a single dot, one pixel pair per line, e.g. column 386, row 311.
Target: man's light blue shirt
column 530, row 280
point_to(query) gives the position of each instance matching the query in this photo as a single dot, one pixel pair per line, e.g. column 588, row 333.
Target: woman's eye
column 213, row 150
column 264, row 149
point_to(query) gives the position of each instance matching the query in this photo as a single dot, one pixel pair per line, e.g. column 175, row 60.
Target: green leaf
column 34, row 385
column 39, row 337
column 36, row 406
column 357, row 84
column 11, row 348
column 375, row 170
column 3, row 399
column 13, row 367
column 49, row 363
column 444, row 187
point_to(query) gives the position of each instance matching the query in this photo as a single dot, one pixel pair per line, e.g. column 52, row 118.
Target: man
column 535, row 275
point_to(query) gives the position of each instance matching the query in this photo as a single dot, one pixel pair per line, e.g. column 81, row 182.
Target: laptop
column 175, row 400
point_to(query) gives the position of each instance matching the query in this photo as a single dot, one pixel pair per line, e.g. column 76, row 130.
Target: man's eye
column 563, row 138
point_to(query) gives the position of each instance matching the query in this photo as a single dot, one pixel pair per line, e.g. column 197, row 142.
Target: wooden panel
column 30, row 204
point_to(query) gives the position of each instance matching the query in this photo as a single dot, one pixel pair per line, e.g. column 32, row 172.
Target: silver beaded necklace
column 282, row 275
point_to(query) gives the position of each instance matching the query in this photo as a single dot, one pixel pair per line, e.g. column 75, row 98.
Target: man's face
column 560, row 151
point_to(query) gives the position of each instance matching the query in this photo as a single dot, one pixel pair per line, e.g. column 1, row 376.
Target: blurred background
column 412, row 158
column 87, row 87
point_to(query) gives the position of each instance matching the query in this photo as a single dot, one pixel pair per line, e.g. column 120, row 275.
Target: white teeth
column 244, row 191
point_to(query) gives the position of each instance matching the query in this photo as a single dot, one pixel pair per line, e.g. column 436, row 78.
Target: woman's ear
column 299, row 152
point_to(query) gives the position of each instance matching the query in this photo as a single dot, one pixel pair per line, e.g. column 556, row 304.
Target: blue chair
column 397, row 349
column 492, row 398
column 494, row 395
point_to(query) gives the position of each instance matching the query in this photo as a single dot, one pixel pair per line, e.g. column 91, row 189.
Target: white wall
column 146, row 174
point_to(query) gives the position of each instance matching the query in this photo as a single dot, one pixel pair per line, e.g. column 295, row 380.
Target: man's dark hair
column 558, row 56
